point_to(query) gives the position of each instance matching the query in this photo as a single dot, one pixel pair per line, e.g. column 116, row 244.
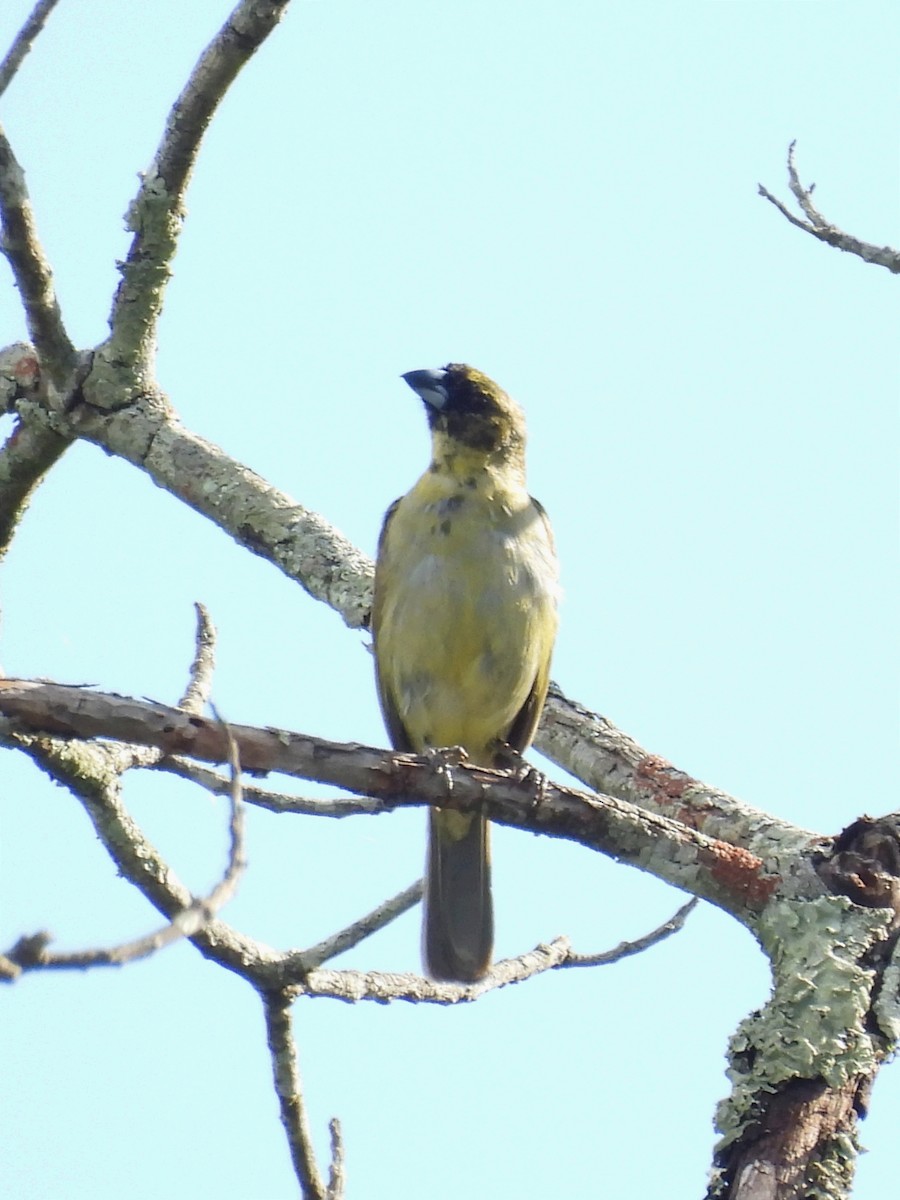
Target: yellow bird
column 464, row 621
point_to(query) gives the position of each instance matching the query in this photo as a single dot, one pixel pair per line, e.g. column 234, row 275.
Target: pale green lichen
column 814, row 1025
column 887, row 1005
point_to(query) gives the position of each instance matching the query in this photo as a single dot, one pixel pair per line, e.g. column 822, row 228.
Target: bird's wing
column 400, row 739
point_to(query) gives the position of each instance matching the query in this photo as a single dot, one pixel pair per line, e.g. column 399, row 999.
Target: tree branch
column 723, row 872
column 92, row 774
column 124, row 366
column 31, row 449
column 384, row 987
column 24, row 40
column 674, row 924
column 31, row 953
column 264, row 520
column 311, row 551
column 352, row 935
column 275, row 802
column 288, row 1088
column 21, row 246
column 200, row 676
column 92, row 771
column 99, row 770
column 801, row 1068
column 821, row 228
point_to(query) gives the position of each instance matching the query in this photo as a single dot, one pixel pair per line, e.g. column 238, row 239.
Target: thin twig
column 384, row 988
column 31, row 449
column 820, row 227
column 199, row 688
column 24, row 40
column 336, row 1177
column 157, row 213
column 22, row 247
column 286, row 1076
column 803, row 195
column 237, row 860
column 353, row 934
column 625, row 949
column 32, row 952
column 276, row 802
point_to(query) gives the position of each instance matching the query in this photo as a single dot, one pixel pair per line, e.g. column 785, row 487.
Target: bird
column 464, row 620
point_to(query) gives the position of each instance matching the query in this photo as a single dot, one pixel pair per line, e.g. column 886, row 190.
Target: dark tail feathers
column 459, row 921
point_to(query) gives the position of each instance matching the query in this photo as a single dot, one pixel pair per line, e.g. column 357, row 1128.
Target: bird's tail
column 459, row 920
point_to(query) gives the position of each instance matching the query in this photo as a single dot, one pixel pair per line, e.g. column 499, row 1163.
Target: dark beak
column 429, row 385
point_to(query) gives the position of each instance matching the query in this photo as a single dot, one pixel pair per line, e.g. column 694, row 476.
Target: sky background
column 564, row 195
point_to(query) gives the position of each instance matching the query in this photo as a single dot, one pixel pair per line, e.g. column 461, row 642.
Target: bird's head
column 470, row 415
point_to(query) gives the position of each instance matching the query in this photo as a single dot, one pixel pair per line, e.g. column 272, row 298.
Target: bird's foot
column 522, row 772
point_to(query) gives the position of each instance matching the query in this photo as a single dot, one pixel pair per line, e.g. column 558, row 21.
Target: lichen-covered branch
column 93, row 772
column 294, row 1119
column 31, row 449
column 200, row 674
column 722, row 872
column 309, row 550
column 821, row 228
column 20, row 244
column 594, row 750
column 124, row 364
column 802, row 1068
column 257, row 515
column 32, row 952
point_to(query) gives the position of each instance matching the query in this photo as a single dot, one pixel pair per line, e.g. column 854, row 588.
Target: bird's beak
column 429, row 385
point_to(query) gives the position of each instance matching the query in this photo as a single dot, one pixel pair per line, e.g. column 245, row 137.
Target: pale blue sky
column 565, row 195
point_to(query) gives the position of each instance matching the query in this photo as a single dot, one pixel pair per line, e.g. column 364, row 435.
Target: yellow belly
column 465, row 614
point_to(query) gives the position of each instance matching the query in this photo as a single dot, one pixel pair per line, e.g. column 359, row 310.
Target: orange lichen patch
column 741, row 873
column 691, row 817
column 27, row 370
column 664, row 782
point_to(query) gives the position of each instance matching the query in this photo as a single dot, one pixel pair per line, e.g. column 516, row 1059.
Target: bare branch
column 199, row 688
column 674, row 924
column 590, row 747
column 723, row 872
column 336, row 1178
column 24, row 40
column 21, row 246
column 384, row 988
column 257, row 515
column 821, row 228
column 288, row 1088
column 92, row 773
column 83, row 769
column 157, row 213
column 275, row 802
column 347, row 938
column 237, row 861
column 31, row 449
column 32, row 951
column 557, row 955
column 292, row 972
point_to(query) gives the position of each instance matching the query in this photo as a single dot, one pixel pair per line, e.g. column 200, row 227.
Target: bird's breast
column 467, row 590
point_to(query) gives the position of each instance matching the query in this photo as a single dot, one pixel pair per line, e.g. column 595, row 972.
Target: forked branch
column 820, row 227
